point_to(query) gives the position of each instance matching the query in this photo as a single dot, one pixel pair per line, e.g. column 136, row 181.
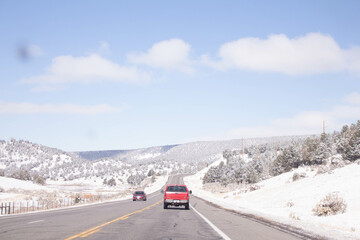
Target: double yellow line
column 98, row 228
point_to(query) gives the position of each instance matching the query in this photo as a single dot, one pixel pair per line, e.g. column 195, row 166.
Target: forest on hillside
column 256, row 163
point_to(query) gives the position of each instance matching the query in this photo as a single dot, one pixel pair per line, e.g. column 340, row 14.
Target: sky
column 102, row 75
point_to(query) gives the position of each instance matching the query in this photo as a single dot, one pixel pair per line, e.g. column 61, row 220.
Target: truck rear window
column 176, row 189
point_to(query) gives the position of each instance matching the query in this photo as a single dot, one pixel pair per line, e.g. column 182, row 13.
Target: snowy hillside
column 26, row 159
column 289, row 201
column 310, row 184
column 30, row 161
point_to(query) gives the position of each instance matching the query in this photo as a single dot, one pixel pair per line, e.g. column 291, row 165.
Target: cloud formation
column 170, row 54
column 90, row 69
column 13, row 108
column 313, row 53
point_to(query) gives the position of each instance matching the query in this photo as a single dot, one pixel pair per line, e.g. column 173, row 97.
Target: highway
column 138, row 220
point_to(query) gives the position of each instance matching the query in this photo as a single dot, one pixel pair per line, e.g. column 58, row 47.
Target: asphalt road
column 138, row 220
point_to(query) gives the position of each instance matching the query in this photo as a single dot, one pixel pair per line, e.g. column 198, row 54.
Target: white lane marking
column 221, row 233
column 35, row 221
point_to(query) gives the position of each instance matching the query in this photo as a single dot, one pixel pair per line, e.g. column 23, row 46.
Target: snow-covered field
column 29, row 194
column 291, row 202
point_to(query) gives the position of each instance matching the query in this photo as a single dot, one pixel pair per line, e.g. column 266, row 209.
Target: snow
column 18, row 190
column 10, row 183
column 23, row 191
column 157, row 185
column 276, row 195
column 148, row 155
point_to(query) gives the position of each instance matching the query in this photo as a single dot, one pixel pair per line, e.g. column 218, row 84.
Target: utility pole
column 242, row 146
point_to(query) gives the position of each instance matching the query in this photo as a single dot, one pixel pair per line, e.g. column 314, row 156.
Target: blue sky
column 95, row 75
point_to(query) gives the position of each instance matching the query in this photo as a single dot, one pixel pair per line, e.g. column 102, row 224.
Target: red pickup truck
column 176, row 195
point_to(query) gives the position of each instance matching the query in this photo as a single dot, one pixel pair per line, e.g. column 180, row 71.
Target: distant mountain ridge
column 21, row 157
column 95, row 155
column 201, row 151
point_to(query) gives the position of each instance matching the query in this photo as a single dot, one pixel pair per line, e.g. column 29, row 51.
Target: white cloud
column 313, row 53
column 169, row 54
column 23, row 108
column 93, row 68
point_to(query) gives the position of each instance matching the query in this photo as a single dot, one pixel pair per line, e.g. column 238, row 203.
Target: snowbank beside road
column 291, row 202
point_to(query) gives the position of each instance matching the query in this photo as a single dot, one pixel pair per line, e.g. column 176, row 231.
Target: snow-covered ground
column 12, row 183
column 291, row 202
column 25, row 192
column 157, row 185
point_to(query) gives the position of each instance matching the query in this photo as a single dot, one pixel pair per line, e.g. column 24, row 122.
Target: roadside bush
column 2, row 190
column 254, row 187
column 332, row 204
column 297, row 176
column 293, row 215
column 77, row 198
column 21, row 175
column 39, row 180
column 322, row 170
column 135, row 179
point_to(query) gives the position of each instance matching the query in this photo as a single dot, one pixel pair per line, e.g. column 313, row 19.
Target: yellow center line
column 97, row 228
column 90, row 233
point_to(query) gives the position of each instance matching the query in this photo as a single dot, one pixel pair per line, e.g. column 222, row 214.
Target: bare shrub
column 298, row 176
column 151, row 173
column 290, row 204
column 323, row 169
column 77, row 198
column 254, row 187
column 2, row 189
column 111, row 182
column 332, row 204
column 39, row 179
column 135, row 179
column 292, row 215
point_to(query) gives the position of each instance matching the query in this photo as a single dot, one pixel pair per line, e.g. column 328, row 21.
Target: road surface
column 138, row 220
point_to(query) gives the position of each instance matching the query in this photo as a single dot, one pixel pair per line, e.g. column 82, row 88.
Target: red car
column 139, row 195
column 177, row 195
